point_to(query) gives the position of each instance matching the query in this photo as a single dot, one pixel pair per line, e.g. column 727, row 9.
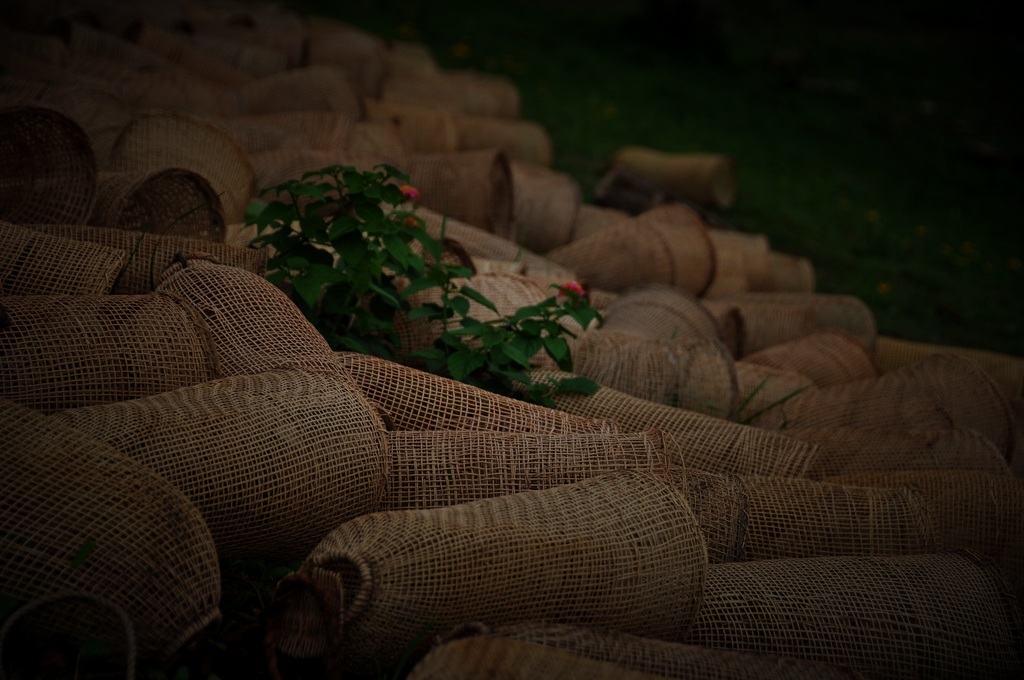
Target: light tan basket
column 707, row 178
column 892, row 353
column 474, row 187
column 827, row 357
column 32, row 263
column 544, row 206
column 660, row 311
column 522, row 140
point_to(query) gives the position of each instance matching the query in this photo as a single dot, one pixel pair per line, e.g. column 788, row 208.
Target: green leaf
column 425, row 311
column 308, row 288
column 556, row 347
column 478, row 297
column 515, row 354
column 577, row 384
column 460, row 305
column 431, row 353
column 464, row 362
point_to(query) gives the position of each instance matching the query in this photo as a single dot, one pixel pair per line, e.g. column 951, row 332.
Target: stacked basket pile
column 762, row 486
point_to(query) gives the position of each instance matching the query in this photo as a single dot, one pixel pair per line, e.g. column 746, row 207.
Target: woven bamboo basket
column 290, row 44
column 474, row 187
column 433, row 469
column 319, row 130
column 974, row 510
column 417, row 400
column 466, row 91
column 764, row 390
column 277, row 166
column 273, row 461
column 152, row 553
column 33, row 45
column 848, row 450
column 47, row 167
column 378, row 139
column 544, row 206
column 411, row 58
column 254, row 60
column 706, row 178
column 791, row 273
column 742, row 253
column 523, row 141
column 662, row 312
column 708, row 443
column 672, row 241
column 627, row 653
column 720, row 503
column 761, row 325
column 827, row 357
column 948, row 614
column 148, row 254
column 892, row 353
column 592, row 218
column 844, row 312
column 620, row 550
column 36, row 264
column 168, row 201
column 806, row 518
column 423, row 129
column 157, row 140
column 361, row 55
column 174, row 46
column 68, row 351
column 254, row 326
column 943, row 391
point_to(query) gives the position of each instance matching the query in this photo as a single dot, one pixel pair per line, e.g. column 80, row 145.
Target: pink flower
column 573, row 287
column 410, row 192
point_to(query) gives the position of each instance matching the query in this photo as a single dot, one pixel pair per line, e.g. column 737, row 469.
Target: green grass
column 872, row 177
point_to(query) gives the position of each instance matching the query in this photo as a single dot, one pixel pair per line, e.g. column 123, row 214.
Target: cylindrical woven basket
column 410, row 57
column 37, row 264
column 742, row 253
column 706, row 178
column 361, row 55
column 523, row 141
column 806, row 518
column 320, row 130
column 791, row 273
column 471, row 186
column 696, row 374
column 763, row 324
column 621, row 550
column 157, row 140
column 975, row 510
column 169, row 201
column 592, row 218
column 827, row 357
column 948, row 614
column 708, row 443
column 892, row 353
column 544, row 206
column 378, row 139
column 847, row 450
column 47, row 167
column 763, row 391
column 671, row 242
column 943, row 391
column 68, row 351
column 174, row 46
column 255, row 327
column 417, row 400
column 466, row 91
column 148, row 254
column 252, row 59
column 432, row 469
column 76, row 515
column 272, row 461
column 660, row 311
column 628, row 653
column 423, row 129
column 721, row 504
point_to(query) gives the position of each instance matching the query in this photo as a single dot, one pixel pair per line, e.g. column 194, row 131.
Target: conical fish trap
column 706, row 178
column 47, row 167
column 307, row 88
column 948, row 614
column 174, row 46
column 620, row 550
column 892, row 353
column 148, row 254
column 791, row 273
column 127, row 534
column 471, row 186
column 695, row 374
column 380, row 140
column 272, row 461
column 660, row 311
column 255, row 327
column 523, row 141
column 157, row 140
column 827, row 357
column 592, row 218
column 805, row 518
column 544, row 206
column 417, row 400
column 744, row 254
column 628, row 654
column 168, row 201
column 361, row 55
column 668, row 244
column 431, row 469
column 36, row 264
column 466, row 91
column 943, row 391
column 423, row 129
column 254, row 60
column 68, row 351
column 764, row 324
column 708, row 443
column 319, row 130
column 846, row 450
column 974, row 510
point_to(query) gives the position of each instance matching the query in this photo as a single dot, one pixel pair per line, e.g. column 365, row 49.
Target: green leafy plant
column 350, row 250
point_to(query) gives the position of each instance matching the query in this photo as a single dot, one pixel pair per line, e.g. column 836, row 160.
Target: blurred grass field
column 879, row 140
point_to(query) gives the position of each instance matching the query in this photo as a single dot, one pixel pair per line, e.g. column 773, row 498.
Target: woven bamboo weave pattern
column 153, row 553
column 827, row 357
column 67, row 351
column 947, row 614
column 272, row 461
column 1008, row 371
column 721, row 504
column 474, row 187
column 764, row 324
column 661, row 312
column 36, row 264
column 621, row 549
